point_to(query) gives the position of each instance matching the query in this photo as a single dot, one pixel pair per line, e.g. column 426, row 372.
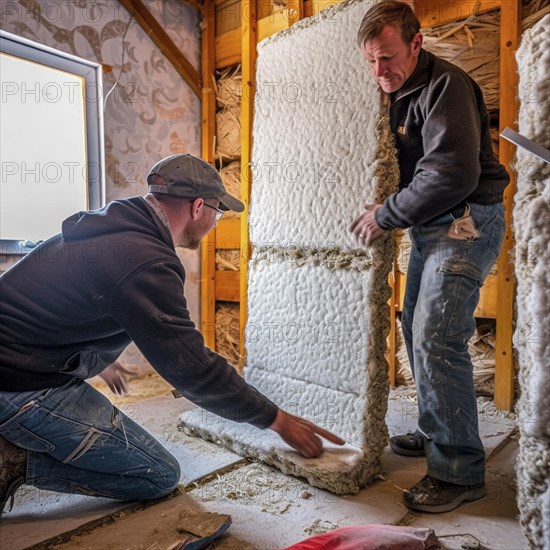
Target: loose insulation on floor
column 532, row 337
column 317, row 304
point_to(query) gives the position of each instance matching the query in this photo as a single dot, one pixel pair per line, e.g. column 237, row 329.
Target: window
column 51, row 141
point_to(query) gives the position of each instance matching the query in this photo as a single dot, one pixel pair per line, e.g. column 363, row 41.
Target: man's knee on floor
column 167, row 477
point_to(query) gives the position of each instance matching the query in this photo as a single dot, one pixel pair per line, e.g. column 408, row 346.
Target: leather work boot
column 436, row 496
column 13, row 463
column 411, row 444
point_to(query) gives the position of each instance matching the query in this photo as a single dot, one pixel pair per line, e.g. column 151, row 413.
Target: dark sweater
column 441, row 129
column 71, row 306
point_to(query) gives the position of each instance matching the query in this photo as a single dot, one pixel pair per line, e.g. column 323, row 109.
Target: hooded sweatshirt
column 112, row 276
column 444, row 146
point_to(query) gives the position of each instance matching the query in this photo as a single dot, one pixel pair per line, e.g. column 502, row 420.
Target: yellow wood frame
column 249, row 41
column 208, row 126
column 510, row 33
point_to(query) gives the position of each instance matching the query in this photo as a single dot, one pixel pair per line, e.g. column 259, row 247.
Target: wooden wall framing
column 238, row 45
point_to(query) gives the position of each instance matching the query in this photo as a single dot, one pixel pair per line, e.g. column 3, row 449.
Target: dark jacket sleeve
column 150, row 306
column 449, row 169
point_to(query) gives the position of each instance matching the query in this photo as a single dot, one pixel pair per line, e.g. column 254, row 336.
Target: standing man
column 450, row 195
column 75, row 302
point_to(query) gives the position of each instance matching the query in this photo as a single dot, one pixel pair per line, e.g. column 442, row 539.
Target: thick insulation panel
column 310, row 350
column 532, row 337
column 320, row 151
column 341, row 470
column 317, row 305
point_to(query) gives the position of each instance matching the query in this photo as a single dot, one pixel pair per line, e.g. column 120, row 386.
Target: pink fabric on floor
column 371, row 537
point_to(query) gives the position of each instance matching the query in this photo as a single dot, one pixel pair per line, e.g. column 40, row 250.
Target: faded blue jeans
column 78, row 442
column 443, row 281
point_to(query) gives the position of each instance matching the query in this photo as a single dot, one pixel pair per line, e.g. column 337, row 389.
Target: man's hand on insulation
column 365, row 228
column 116, row 377
column 302, row 434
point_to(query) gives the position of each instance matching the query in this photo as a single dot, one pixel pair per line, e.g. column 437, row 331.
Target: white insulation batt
column 532, row 231
column 310, row 350
column 317, row 305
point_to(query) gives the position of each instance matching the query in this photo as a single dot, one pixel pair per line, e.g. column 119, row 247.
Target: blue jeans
column 443, row 281
column 77, row 441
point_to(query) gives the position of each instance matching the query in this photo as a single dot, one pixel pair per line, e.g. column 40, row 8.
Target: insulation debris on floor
column 257, row 484
column 317, row 305
column 269, row 510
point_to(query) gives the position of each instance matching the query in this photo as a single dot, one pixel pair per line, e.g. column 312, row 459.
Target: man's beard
column 190, row 240
column 192, row 245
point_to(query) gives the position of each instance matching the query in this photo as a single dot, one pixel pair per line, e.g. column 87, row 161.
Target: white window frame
column 94, row 169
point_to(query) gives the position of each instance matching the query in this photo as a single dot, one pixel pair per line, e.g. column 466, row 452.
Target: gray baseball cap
column 189, row 177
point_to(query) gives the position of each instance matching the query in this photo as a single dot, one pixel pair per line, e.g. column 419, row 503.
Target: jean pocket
column 19, row 435
column 462, row 283
column 453, row 266
column 463, row 228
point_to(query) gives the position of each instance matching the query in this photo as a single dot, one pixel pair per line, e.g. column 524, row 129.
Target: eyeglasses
column 219, row 213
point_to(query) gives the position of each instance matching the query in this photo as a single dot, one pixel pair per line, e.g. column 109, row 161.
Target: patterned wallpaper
column 151, row 112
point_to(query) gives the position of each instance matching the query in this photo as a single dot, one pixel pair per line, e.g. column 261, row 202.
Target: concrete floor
column 270, row 510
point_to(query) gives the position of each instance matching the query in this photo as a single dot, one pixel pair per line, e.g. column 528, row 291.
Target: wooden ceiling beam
column 433, row 13
column 164, row 43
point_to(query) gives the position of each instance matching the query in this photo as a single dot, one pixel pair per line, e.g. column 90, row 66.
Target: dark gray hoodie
column 71, row 306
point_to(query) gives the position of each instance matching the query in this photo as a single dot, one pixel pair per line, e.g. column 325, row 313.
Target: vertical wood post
column 208, row 127
column 510, row 31
column 249, row 40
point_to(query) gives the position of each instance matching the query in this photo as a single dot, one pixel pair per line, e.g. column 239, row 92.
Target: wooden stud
column 488, row 297
column 430, row 12
column 208, row 91
column 510, row 32
column 313, row 7
column 295, row 11
column 164, row 43
column 228, row 285
column 208, row 125
column 272, row 24
column 249, row 40
column 229, row 45
column 433, row 13
column 229, row 48
column 228, row 235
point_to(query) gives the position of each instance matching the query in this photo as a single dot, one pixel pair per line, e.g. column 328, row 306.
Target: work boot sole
column 406, row 452
column 466, row 496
